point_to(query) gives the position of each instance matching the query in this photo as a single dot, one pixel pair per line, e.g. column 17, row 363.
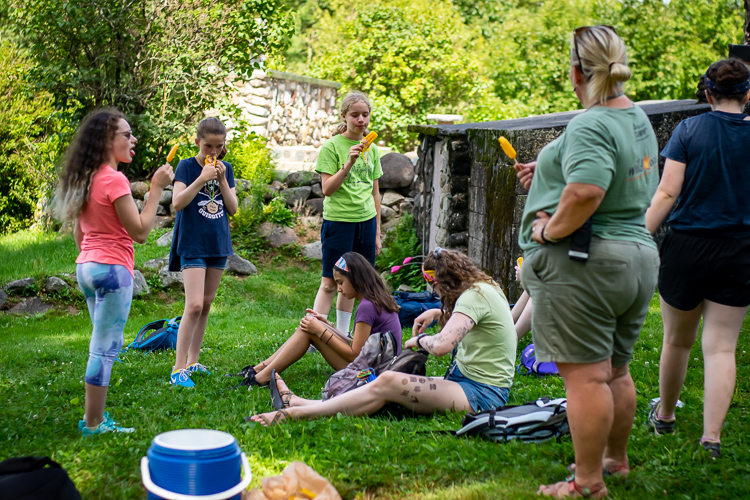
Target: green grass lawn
column 43, row 358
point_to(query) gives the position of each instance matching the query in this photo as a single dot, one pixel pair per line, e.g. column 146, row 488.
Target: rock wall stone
column 468, row 196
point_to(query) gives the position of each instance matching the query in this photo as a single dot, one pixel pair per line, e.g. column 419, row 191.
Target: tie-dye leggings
column 108, row 289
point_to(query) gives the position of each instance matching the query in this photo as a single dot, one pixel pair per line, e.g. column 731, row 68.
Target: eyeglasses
column 429, row 275
column 579, row 31
column 127, row 134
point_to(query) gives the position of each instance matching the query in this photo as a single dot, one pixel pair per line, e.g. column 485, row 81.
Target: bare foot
column 270, row 418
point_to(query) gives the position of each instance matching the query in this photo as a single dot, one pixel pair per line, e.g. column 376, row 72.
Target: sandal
column 277, row 398
column 712, row 447
column 621, row 470
column 570, row 489
column 278, row 417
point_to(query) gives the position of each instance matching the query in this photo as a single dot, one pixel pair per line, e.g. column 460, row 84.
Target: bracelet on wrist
column 419, row 338
column 545, row 235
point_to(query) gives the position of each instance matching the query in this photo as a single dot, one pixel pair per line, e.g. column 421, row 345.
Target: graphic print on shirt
column 211, row 206
column 361, row 170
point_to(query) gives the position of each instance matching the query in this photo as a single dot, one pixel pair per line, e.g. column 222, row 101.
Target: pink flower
column 407, row 260
column 395, row 269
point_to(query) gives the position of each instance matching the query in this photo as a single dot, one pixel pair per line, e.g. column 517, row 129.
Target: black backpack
column 27, row 478
column 532, row 422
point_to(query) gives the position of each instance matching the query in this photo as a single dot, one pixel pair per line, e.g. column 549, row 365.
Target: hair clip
column 437, row 252
column 341, row 264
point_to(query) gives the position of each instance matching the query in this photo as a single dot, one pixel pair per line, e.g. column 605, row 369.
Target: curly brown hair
column 454, row 273
column 86, row 153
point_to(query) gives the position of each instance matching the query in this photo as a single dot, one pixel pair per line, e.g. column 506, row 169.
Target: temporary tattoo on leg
column 422, row 381
column 413, row 379
column 405, row 393
column 433, row 387
column 418, row 388
column 414, row 399
column 404, row 381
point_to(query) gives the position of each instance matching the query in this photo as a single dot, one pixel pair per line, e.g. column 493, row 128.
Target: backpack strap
column 25, row 464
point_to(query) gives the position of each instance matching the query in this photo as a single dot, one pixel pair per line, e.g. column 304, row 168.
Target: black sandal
column 277, row 398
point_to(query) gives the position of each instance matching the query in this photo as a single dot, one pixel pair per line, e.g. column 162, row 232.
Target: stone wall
column 288, row 109
column 468, row 196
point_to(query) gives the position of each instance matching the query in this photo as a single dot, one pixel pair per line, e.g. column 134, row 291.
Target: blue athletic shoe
column 197, row 368
column 106, row 425
column 181, row 378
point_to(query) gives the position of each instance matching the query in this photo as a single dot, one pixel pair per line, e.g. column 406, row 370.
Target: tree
column 746, row 38
column 411, row 58
column 162, row 62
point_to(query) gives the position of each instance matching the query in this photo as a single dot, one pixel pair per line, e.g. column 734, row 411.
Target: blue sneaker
column 197, row 368
column 106, row 425
column 181, row 378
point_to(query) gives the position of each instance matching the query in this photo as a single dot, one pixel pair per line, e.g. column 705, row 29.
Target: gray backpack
column 378, row 353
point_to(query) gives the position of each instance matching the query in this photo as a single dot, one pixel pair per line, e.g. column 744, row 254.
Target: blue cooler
column 195, row 464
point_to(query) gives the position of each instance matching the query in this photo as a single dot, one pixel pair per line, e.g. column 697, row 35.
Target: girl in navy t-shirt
column 204, row 197
column 377, row 313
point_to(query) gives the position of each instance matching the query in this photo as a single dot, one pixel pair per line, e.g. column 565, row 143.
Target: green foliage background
column 493, row 60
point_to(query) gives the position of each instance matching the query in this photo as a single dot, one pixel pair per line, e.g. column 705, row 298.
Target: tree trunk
column 746, row 40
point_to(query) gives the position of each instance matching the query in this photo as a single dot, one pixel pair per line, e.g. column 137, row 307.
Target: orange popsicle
column 367, row 141
column 172, row 152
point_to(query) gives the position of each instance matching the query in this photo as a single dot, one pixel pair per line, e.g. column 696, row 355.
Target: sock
column 343, row 320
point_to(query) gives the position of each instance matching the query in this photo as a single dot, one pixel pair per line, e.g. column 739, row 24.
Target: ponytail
column 603, row 61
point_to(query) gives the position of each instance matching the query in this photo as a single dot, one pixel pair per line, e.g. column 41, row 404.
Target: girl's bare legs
column 680, row 332
column 296, row 347
column 294, row 400
column 721, row 328
column 211, row 285
column 194, row 279
column 422, row 395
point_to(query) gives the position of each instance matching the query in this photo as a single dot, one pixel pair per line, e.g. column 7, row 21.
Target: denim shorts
column 204, row 262
column 481, row 396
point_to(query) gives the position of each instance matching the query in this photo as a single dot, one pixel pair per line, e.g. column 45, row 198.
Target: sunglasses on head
column 429, row 275
column 581, row 30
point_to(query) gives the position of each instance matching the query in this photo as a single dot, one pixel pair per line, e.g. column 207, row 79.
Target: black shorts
column 694, row 268
column 341, row 237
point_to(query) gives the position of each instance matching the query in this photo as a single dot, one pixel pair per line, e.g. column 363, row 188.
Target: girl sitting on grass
column 377, row 313
column 475, row 316
column 94, row 194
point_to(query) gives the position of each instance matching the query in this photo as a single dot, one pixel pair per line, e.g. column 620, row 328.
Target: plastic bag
column 297, row 481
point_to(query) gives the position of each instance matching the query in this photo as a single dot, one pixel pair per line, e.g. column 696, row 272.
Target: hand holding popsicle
column 367, row 141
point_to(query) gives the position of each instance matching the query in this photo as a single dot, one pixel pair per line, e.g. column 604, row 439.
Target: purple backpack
column 529, row 362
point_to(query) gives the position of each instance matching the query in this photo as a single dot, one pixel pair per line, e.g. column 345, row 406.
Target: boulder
column 161, row 210
column 31, row 306
column 165, row 240
column 139, row 189
column 156, row 263
column 166, row 198
column 170, row 279
column 398, row 171
column 297, row 195
column 315, row 205
column 19, row 286
column 387, row 227
column 458, row 239
column 140, row 287
column 317, row 191
column 275, row 235
column 241, row 185
column 172, row 210
column 163, row 221
column 139, row 204
column 406, row 206
column 55, row 284
column 313, row 250
column 238, row 265
column 404, row 288
column 386, row 213
column 391, row 198
column 3, row 298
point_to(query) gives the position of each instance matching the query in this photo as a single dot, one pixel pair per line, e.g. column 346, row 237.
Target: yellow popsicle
column 172, row 152
column 211, row 160
column 505, row 144
column 367, row 141
column 519, row 261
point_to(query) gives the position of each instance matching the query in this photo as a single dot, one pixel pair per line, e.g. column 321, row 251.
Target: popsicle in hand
column 505, row 144
column 519, row 261
column 367, row 142
column 172, row 152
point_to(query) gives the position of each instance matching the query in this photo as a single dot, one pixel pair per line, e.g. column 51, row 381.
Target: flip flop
column 570, row 489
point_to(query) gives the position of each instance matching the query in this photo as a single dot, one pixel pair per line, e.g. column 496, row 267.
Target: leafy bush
column 251, row 159
column 398, row 246
column 28, row 151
